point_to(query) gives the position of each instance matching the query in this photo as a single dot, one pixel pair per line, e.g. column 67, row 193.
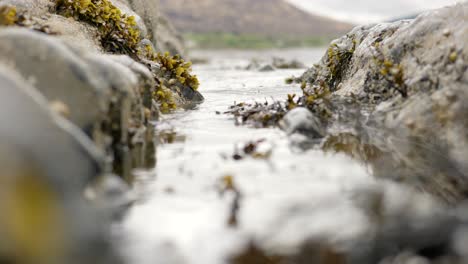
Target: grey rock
column 160, row 30
column 37, row 7
column 301, row 120
column 167, row 38
column 46, row 158
column 146, row 78
column 29, row 124
column 57, row 73
column 409, row 80
column 266, row 68
column 123, row 83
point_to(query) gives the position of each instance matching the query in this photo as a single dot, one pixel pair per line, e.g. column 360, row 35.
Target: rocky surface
column 81, row 84
column 392, row 97
column 401, row 87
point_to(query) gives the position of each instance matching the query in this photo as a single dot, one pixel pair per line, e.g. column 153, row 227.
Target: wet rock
column 301, row 120
column 408, row 78
column 145, row 77
column 30, row 123
column 266, row 68
column 45, row 159
column 281, row 63
column 37, row 56
column 256, row 65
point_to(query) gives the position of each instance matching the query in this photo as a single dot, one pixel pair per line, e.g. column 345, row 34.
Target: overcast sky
column 369, row 11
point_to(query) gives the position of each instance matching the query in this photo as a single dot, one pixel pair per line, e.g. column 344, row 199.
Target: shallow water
column 285, row 199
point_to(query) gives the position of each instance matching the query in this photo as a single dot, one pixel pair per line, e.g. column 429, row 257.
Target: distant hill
column 256, row 17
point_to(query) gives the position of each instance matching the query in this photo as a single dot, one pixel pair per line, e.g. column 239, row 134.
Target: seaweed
column 118, row 31
column 291, row 104
column 166, row 99
column 119, row 34
column 8, row 15
column 258, row 115
column 177, row 68
column 337, row 61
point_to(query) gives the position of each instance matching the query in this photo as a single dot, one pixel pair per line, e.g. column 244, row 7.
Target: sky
column 369, row 11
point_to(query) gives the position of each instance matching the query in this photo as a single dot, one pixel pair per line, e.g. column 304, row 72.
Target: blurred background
column 260, row 24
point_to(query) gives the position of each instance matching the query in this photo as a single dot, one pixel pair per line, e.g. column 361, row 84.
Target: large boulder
column 46, row 163
column 57, row 73
column 409, row 81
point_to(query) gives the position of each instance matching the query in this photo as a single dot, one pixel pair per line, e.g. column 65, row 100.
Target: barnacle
column 118, row 31
column 8, row 15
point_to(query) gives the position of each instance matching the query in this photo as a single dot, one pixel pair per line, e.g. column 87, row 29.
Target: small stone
column 301, row 120
column 172, row 82
column 60, row 108
column 266, row 68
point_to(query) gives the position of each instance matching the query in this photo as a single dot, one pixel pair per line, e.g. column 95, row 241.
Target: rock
column 28, row 123
column 256, row 65
column 408, row 78
column 38, row 56
column 168, row 39
column 128, row 119
column 301, row 120
column 266, row 68
column 77, row 35
column 37, row 7
column 146, row 86
column 160, row 30
column 281, row 63
column 45, row 159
